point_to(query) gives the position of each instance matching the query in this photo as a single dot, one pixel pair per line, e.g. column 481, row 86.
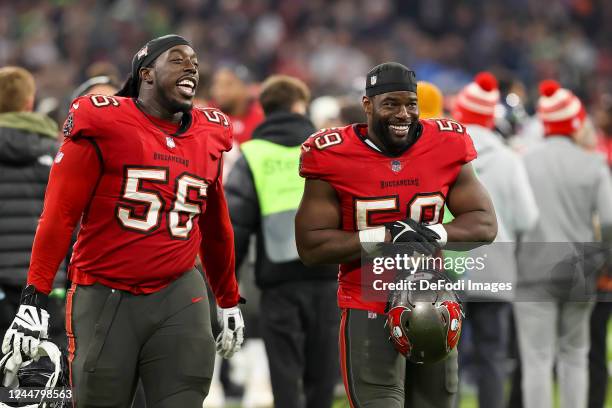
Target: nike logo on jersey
column 196, row 299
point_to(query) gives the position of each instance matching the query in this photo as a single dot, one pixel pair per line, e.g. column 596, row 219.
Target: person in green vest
column 299, row 317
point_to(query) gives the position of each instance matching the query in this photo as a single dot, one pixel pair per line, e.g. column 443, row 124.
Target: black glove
column 417, row 236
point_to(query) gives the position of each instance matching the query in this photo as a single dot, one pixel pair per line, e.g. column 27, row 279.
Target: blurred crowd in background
column 328, row 44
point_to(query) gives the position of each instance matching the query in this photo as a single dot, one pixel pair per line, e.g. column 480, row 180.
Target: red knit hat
column 475, row 104
column 559, row 109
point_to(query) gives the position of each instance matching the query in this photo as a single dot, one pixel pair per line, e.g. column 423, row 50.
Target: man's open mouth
column 187, row 87
column 400, row 130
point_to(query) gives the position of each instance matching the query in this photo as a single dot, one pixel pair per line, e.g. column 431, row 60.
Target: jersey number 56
column 183, row 209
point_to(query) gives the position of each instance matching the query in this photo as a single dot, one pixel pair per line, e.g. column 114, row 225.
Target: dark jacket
column 287, row 129
column 27, row 147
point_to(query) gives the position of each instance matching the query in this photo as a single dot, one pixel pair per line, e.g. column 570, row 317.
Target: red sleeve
column 310, row 161
column 217, row 248
column 79, row 119
column 72, row 180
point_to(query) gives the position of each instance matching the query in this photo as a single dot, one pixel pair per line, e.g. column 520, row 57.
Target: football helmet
column 424, row 325
column 47, row 370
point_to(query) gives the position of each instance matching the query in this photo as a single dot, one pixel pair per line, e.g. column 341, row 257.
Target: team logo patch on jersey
column 59, row 157
column 396, row 166
column 68, row 125
column 170, row 142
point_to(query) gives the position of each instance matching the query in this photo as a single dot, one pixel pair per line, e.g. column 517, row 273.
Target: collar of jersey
column 184, row 125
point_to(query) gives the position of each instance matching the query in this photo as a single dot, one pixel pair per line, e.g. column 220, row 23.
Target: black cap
column 145, row 57
column 390, row 77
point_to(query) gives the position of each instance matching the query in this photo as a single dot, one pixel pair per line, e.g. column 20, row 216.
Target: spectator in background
column 351, row 112
column 231, row 92
column 571, row 185
column 431, row 101
column 603, row 121
column 325, row 112
column 27, row 147
column 103, row 69
column 98, row 85
column 488, row 313
column 328, row 44
column 202, row 97
column 298, row 303
column 510, row 112
column 598, row 359
column 598, row 362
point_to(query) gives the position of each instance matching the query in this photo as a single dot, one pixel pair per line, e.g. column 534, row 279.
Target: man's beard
column 392, row 145
column 381, row 129
column 173, row 105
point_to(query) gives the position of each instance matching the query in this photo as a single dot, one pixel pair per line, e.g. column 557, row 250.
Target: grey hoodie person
column 503, row 174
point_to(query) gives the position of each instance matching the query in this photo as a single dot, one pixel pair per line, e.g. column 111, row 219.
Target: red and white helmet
column 425, row 325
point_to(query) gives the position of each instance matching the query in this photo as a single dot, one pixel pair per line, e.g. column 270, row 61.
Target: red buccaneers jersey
column 140, row 229
column 374, row 188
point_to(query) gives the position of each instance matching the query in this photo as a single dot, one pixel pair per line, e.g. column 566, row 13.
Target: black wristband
column 31, row 297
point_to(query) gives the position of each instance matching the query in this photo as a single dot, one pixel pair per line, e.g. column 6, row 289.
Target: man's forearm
column 475, row 228
column 329, row 246
column 217, row 249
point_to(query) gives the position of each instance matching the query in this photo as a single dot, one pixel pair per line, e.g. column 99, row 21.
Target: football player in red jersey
column 141, row 170
column 388, row 181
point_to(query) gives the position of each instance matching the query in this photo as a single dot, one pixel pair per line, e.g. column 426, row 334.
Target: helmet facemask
column 424, row 325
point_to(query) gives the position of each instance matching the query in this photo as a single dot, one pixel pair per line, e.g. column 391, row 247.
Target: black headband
column 390, row 77
column 145, row 57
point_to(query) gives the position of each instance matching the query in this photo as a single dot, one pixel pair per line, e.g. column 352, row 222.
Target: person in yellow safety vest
column 299, row 317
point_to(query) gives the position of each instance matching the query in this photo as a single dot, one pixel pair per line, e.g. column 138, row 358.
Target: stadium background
column 328, row 44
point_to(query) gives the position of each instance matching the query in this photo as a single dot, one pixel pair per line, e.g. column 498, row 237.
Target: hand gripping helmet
column 48, row 371
column 425, row 325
